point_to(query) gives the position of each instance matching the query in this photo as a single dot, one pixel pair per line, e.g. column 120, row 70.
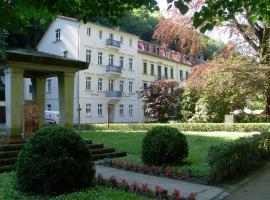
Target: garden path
column 256, row 187
column 204, row 192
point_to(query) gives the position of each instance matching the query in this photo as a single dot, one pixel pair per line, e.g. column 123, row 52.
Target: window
column 100, row 58
column 100, row 34
column 111, row 36
column 171, row 73
column 186, row 75
column 30, row 89
column 121, row 62
column 130, row 110
column 65, row 54
column 58, row 34
column 181, row 75
column 166, row 72
column 159, row 72
column 121, row 86
column 130, row 86
column 130, row 42
column 121, row 110
column 144, row 86
column 88, row 31
column 165, row 53
column 49, row 107
column 88, row 107
column 88, row 83
column 100, row 84
column 110, row 85
column 121, row 39
column 145, row 68
column 130, row 61
column 111, row 59
column 88, row 55
column 152, row 69
column 49, row 86
column 157, row 50
column 100, row 106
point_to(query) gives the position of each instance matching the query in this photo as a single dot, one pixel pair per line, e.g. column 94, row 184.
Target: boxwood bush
column 247, row 127
column 238, row 157
column 164, row 145
column 55, row 160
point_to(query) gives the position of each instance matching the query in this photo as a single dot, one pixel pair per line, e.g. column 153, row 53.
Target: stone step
column 11, row 147
column 8, row 154
column 8, row 161
column 102, row 150
column 95, row 146
column 6, row 168
column 109, row 155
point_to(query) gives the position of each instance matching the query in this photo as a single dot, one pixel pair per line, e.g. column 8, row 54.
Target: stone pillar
column 14, row 102
column 38, row 88
column 66, row 98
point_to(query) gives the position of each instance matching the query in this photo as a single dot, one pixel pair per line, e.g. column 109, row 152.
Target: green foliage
column 201, row 127
column 250, row 118
column 55, row 160
column 211, row 48
column 164, row 145
column 238, row 157
column 8, row 192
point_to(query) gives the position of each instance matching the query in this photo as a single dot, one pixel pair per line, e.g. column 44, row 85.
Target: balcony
column 113, row 43
column 113, row 71
column 114, row 96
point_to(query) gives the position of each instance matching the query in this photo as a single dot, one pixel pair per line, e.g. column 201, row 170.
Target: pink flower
column 124, row 182
column 177, row 195
column 134, row 187
column 181, row 175
column 145, row 188
column 155, row 170
column 127, row 165
column 159, row 189
column 113, row 181
column 118, row 164
column 192, row 196
column 136, row 167
column 168, row 172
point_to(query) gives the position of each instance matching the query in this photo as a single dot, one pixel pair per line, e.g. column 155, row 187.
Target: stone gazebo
column 20, row 64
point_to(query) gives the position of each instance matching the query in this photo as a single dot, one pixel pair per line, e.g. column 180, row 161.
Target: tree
column 250, row 19
column 222, row 85
column 160, row 100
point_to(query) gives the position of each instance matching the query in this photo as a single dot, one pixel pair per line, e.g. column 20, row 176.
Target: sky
column 215, row 34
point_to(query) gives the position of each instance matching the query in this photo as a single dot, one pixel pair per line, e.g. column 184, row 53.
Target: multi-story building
column 119, row 65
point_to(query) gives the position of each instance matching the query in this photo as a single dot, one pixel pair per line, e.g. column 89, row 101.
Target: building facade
column 120, row 64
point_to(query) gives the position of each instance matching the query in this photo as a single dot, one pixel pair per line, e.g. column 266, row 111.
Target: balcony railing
column 114, row 94
column 113, row 43
column 113, row 69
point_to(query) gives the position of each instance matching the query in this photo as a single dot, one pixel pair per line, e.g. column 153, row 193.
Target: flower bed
column 143, row 189
column 167, row 172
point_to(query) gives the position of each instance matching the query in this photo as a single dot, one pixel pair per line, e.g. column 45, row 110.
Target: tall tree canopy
column 248, row 18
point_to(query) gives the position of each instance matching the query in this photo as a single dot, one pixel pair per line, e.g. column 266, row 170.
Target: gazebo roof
column 37, row 57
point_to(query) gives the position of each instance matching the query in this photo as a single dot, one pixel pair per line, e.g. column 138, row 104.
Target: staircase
column 9, row 153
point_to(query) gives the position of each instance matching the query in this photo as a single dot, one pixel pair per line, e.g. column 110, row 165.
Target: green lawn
column 131, row 141
column 8, row 192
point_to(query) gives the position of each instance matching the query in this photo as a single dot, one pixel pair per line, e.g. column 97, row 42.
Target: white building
column 119, row 65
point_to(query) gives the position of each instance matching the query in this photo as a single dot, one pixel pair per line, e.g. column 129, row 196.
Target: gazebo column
column 66, row 98
column 38, row 87
column 14, row 102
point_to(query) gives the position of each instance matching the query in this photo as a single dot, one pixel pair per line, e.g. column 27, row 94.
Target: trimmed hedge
column 55, row 160
column 237, row 157
column 164, row 145
column 203, row 127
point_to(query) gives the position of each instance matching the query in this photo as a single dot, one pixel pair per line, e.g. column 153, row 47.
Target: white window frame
column 130, row 86
column 58, row 34
column 121, row 85
column 88, row 109
column 181, row 76
column 145, row 67
column 110, row 85
column 121, row 39
column 100, row 55
column 88, row 31
column 100, row 81
column 100, row 34
column 49, row 86
column 130, row 110
column 111, row 59
column 171, row 73
column 152, row 69
column 100, row 110
column 130, row 63
column 88, row 83
column 49, row 107
column 88, row 55
column 121, row 61
column 130, row 42
column 121, row 110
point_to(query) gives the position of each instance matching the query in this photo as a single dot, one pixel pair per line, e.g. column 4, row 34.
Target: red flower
column 113, row 181
column 134, row 187
column 181, row 175
column 124, row 182
column 177, row 195
column 192, row 196
column 145, row 188
column 127, row 165
column 159, row 189
column 168, row 172
column 118, row 164
column 136, row 167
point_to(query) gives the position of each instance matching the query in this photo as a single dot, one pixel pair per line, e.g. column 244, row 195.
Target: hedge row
column 238, row 157
column 247, row 127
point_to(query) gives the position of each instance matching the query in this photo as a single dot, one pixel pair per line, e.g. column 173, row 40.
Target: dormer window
column 58, row 34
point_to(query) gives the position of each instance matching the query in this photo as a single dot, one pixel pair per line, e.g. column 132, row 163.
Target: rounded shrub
column 164, row 145
column 54, row 161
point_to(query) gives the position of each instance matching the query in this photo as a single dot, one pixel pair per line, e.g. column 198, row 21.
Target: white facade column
column 14, row 101
column 38, row 88
column 66, row 98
